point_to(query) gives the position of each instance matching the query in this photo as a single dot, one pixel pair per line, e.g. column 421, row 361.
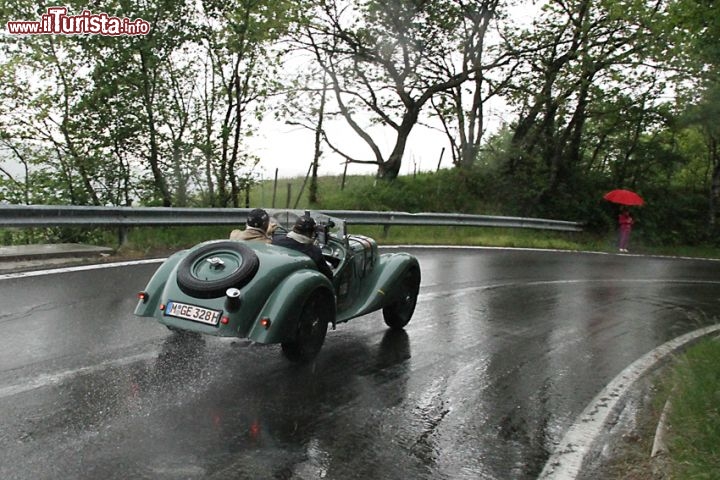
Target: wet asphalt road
column 506, row 348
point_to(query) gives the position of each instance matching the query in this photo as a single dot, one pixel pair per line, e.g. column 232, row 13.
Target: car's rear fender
column 381, row 287
column 156, row 285
column 284, row 305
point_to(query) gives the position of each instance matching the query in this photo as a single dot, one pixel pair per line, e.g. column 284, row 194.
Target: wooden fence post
column 274, row 188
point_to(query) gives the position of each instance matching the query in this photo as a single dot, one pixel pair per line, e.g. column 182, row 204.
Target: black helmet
column 305, row 225
column 258, row 218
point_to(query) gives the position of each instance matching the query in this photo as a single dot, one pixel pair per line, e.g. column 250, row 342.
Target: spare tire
column 210, row 269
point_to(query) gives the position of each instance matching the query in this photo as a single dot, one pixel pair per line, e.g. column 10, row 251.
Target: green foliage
column 122, row 118
column 445, row 191
column 696, row 411
column 42, row 187
column 149, row 239
column 488, row 237
column 163, row 118
column 674, row 216
column 694, row 28
column 26, row 236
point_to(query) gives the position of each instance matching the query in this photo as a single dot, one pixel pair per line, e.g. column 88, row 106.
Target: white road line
column 566, row 462
column 556, row 250
column 49, row 379
column 81, row 268
column 456, row 292
column 486, row 247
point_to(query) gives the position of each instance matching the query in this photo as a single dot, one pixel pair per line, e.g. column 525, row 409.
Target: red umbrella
column 624, row 197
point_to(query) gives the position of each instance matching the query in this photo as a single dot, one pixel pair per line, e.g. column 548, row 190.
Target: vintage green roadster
column 272, row 294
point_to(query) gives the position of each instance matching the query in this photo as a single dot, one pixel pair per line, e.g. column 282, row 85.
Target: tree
column 384, row 61
column 155, row 117
column 239, row 40
column 703, row 117
column 580, row 53
column 11, row 188
column 695, row 32
column 627, row 138
column 461, row 109
column 38, row 117
column 135, row 101
column 304, row 105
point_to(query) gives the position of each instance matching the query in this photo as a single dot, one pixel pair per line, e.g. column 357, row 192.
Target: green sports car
column 273, row 294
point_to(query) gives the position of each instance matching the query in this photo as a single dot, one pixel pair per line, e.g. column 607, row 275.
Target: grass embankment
column 694, row 416
column 689, row 390
column 148, row 239
column 424, row 193
column 173, row 238
column 446, row 191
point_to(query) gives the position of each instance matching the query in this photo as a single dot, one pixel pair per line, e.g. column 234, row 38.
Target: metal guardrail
column 28, row 216
column 355, row 217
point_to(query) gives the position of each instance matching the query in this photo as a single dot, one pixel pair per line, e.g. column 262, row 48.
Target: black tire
column 238, row 277
column 311, row 330
column 398, row 313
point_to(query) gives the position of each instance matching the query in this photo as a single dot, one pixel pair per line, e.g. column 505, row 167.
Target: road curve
column 506, row 350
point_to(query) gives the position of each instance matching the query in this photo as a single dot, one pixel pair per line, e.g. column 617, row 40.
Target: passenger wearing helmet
column 302, row 239
column 257, row 227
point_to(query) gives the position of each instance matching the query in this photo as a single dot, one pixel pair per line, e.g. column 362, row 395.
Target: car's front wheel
column 311, row 330
column 398, row 313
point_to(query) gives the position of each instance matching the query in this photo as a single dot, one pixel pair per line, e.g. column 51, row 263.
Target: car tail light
column 143, row 296
column 254, row 429
column 225, row 320
column 265, row 322
column 162, row 307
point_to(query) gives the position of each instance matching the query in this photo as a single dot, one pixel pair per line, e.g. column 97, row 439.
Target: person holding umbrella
column 625, row 220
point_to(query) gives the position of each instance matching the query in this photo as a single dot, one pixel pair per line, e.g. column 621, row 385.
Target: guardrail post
column 386, row 230
column 274, row 188
column 122, row 236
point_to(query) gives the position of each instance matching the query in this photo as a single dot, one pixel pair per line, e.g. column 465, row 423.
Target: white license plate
column 192, row 312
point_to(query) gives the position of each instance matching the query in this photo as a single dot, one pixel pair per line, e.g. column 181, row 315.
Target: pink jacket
column 625, row 220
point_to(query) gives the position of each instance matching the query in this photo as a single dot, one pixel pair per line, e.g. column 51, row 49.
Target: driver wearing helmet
column 302, row 239
column 257, row 227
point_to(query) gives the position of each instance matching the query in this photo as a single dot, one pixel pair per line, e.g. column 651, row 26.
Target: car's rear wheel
column 311, row 330
column 211, row 269
column 398, row 313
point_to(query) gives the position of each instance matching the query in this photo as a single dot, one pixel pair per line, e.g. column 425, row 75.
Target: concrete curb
column 659, row 442
column 567, row 461
column 44, row 251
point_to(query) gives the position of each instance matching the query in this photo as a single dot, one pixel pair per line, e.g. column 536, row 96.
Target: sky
column 290, row 149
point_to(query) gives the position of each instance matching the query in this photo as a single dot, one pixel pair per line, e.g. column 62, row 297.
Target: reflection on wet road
column 505, row 349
